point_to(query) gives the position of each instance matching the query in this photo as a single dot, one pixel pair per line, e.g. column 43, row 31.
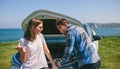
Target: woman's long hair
column 32, row 31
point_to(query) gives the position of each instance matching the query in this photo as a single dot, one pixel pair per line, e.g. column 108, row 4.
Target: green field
column 109, row 48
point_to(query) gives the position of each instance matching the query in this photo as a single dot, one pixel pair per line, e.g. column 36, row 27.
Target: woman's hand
column 22, row 51
column 54, row 67
column 20, row 48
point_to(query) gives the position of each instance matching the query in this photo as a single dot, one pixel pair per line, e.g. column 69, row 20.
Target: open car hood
column 45, row 14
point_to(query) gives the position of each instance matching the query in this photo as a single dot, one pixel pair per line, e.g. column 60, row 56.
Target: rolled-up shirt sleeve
column 70, row 38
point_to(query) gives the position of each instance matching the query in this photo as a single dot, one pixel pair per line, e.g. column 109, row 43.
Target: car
column 92, row 34
column 56, row 41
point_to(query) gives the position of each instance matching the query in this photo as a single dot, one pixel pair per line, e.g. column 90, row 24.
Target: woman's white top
column 35, row 53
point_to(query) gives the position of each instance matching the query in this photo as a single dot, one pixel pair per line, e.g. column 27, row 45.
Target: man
column 79, row 43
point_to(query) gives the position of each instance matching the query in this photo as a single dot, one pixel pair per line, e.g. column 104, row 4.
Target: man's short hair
column 61, row 21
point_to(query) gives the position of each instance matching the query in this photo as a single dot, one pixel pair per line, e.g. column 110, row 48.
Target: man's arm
column 70, row 38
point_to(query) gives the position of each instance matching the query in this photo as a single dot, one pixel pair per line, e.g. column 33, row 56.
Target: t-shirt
column 35, row 53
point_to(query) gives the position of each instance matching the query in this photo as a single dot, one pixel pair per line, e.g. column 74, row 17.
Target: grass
column 6, row 52
column 109, row 48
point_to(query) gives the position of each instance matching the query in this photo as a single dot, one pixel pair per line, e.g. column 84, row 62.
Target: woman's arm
column 22, row 51
column 47, row 52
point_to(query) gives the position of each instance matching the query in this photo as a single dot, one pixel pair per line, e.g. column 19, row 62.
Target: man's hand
column 58, row 63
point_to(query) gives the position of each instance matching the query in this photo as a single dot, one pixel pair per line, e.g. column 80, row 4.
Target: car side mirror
column 96, row 37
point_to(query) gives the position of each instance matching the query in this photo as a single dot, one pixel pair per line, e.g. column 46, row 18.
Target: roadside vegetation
column 109, row 51
column 109, row 48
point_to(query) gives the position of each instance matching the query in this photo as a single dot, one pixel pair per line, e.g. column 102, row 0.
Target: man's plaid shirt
column 79, row 43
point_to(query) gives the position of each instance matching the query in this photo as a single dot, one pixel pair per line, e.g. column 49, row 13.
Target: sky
column 13, row 12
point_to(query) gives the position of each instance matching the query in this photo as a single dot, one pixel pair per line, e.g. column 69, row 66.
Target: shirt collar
column 69, row 27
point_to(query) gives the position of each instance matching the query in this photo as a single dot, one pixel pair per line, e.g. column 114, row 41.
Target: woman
column 33, row 48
